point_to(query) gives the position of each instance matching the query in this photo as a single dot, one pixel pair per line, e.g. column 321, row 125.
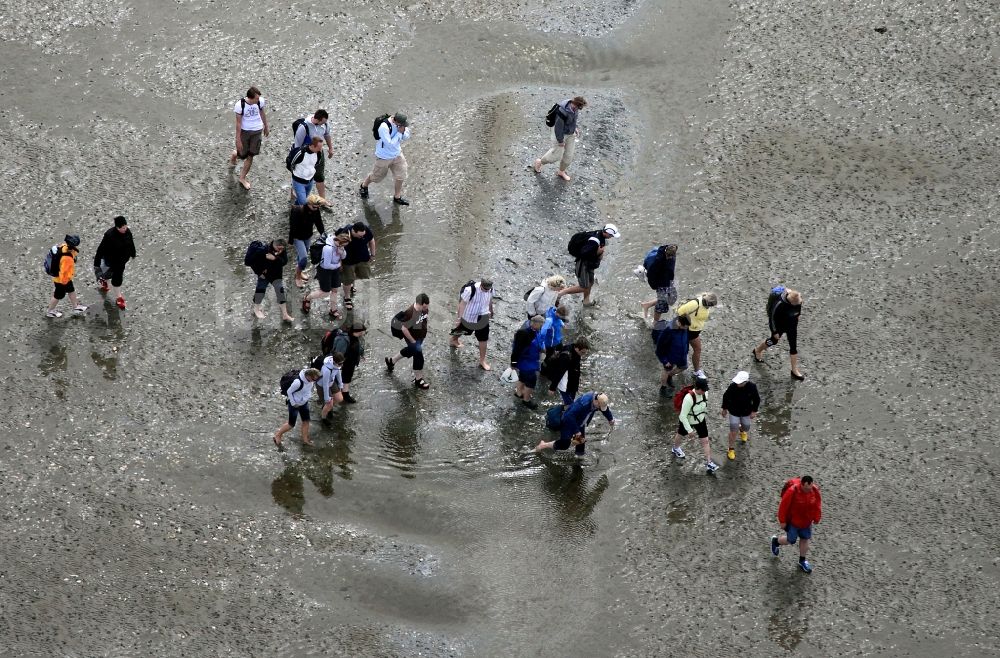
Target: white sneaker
column 53, row 314
column 699, row 374
column 711, row 467
column 640, row 273
column 80, row 309
column 678, row 452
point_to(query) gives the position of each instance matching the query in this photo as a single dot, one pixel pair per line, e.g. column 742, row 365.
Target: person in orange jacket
column 64, row 267
column 801, row 506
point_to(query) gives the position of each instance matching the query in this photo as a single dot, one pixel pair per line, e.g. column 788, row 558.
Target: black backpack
column 295, row 156
column 52, row 258
column 253, row 249
column 471, row 283
column 316, row 250
column 317, row 361
column 287, row 380
column 531, row 290
column 577, row 242
column 550, row 116
column 378, row 122
column 295, row 128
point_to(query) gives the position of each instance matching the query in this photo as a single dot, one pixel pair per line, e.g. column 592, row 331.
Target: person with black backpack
column 587, row 247
column 268, row 261
column 563, row 369
column 302, row 163
column 658, row 270
column 357, row 263
column 784, row 306
column 302, row 220
column 562, row 119
column 297, row 387
column 328, row 271
column 475, row 308
column 60, row 264
column 389, row 132
column 354, row 353
column 251, row 123
column 303, row 131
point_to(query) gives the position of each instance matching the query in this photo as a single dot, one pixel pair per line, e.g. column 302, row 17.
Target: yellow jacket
column 67, row 264
column 696, row 312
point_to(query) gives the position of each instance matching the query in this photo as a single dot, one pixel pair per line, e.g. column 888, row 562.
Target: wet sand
column 145, row 510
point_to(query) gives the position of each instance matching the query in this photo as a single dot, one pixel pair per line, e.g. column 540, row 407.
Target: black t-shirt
column 357, row 248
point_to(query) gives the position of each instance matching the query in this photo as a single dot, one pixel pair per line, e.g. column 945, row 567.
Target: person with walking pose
column 784, row 306
column 62, row 269
column 117, row 248
column 410, row 325
column 251, row 124
column 801, row 507
column 739, row 404
column 475, row 308
column 564, row 134
column 693, row 418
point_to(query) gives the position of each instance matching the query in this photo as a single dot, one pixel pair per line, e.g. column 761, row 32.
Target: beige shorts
column 382, row 167
column 352, row 273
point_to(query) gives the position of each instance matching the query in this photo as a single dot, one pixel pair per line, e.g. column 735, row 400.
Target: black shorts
column 528, row 377
column 701, row 428
column 319, row 176
column 692, row 335
column 62, row 289
column 328, row 279
column 347, row 372
column 464, row 329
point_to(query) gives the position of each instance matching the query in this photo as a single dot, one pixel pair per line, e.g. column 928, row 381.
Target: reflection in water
column 399, row 436
column 776, row 416
column 679, row 512
column 55, row 361
column 789, row 620
column 317, row 466
column 115, row 336
column 567, row 485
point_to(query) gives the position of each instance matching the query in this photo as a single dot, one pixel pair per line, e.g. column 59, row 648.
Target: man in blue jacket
column 575, row 419
column 526, row 358
column 671, row 340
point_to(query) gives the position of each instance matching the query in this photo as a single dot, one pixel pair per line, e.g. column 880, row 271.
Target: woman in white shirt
column 544, row 296
column 328, row 274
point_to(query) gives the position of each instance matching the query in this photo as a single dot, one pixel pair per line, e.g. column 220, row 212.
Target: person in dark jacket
column 410, row 324
column 660, row 278
column 301, row 221
column 352, row 358
column 671, row 348
column 117, row 248
column 783, row 319
column 573, row 429
column 567, row 363
column 360, row 254
column 588, row 262
column 740, row 403
column 269, row 265
column 564, row 134
column 525, row 357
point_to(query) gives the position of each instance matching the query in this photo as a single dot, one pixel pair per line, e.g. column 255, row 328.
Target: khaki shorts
column 357, row 271
column 249, row 143
column 382, row 167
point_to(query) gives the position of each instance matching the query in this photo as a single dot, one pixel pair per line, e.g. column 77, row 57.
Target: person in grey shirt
column 564, row 134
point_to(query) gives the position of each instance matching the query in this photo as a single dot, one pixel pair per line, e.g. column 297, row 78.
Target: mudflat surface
column 848, row 150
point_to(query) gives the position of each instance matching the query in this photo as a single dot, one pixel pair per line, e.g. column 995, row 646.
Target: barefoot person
column 62, row 269
column 268, row 261
column 564, row 134
column 739, row 404
column 693, row 418
column 575, row 419
column 353, row 356
column 671, row 348
column 116, row 249
column 801, row 506
column 588, row 249
column 297, row 393
column 301, row 222
column 475, row 308
column 784, row 306
column 331, row 382
column 658, row 270
column 251, row 123
column 410, row 324
column 525, row 358
column 544, row 296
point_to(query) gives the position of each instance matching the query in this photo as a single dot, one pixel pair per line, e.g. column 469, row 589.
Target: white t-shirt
column 251, row 113
column 478, row 304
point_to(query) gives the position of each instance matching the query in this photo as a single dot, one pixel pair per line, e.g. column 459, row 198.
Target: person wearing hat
column 589, row 260
column 697, row 310
column 64, row 267
column 740, row 403
column 564, row 134
column 475, row 308
column 389, row 157
column 525, row 357
column 117, row 248
column 573, row 430
column 693, row 418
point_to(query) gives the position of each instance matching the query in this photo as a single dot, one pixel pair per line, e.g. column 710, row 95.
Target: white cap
column 612, row 230
column 741, row 377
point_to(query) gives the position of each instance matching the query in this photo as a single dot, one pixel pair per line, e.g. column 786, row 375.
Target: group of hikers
column 539, row 349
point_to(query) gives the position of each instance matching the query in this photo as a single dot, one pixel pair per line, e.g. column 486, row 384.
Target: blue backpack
column 774, row 297
column 553, row 418
column 650, row 258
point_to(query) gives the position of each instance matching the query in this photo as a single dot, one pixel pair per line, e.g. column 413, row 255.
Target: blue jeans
column 415, row 350
column 301, row 191
column 302, row 250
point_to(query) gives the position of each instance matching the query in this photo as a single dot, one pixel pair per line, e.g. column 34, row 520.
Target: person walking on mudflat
column 392, row 133
column 564, row 133
column 410, row 325
column 784, row 306
column 251, row 123
column 697, row 311
column 475, row 308
column 693, row 419
column 117, row 248
column 740, row 403
column 62, row 268
column 801, row 506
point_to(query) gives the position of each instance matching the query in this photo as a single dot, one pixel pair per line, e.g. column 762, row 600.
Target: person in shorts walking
column 693, row 418
column 660, row 277
column 62, row 271
column 410, row 324
column 117, row 248
column 739, row 404
column 589, row 260
column 525, row 357
column 564, row 134
column 297, row 401
column 389, row 157
column 328, row 274
column 251, row 124
column 357, row 263
column 697, row 310
column 801, row 506
column 331, row 382
column 475, row 308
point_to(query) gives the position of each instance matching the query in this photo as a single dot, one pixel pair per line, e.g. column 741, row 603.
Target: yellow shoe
column 744, row 436
column 731, row 454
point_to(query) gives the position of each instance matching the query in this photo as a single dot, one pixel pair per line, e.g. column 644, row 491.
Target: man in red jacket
column 801, row 506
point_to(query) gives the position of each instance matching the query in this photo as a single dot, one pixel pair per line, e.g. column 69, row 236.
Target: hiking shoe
column 744, row 436
column 664, row 392
column 805, row 566
column 80, row 309
column 531, row 404
column 120, row 302
column 363, row 192
column 400, row 201
column 774, row 545
column 699, row 374
column 349, row 399
column 711, row 467
column 53, row 314
column 678, row 452
column 731, row 454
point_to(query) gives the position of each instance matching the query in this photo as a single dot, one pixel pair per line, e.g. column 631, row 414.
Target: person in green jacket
column 693, row 417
